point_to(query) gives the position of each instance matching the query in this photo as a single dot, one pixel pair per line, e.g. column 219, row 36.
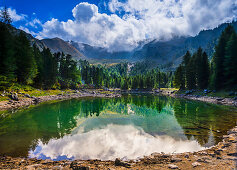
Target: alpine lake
column 129, row 127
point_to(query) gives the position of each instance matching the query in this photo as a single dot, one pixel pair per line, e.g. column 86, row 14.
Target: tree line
column 196, row 72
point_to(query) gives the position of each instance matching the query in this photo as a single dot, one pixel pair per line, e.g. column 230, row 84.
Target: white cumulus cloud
column 16, row 17
column 141, row 20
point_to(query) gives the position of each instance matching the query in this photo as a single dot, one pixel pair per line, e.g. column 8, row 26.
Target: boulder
column 36, row 100
column 118, row 162
column 27, row 95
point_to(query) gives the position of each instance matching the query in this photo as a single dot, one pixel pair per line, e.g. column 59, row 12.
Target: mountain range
column 161, row 52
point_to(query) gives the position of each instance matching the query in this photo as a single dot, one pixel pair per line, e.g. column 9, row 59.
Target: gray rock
column 118, row 162
column 36, row 100
column 27, row 95
column 186, row 156
column 172, row 166
column 14, row 97
column 176, row 160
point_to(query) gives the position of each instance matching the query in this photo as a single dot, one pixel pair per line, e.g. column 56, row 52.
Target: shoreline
column 208, row 99
column 28, row 101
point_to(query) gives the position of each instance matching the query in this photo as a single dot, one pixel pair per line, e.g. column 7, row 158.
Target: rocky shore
column 214, row 100
column 221, row 156
column 25, row 100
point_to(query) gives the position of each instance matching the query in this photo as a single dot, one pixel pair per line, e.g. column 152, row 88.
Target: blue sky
column 47, row 9
column 118, row 24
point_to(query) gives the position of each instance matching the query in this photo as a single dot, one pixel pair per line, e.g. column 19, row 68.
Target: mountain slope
column 59, row 45
column 161, row 52
column 174, row 49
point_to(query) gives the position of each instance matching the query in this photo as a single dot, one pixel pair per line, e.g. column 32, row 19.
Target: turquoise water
column 127, row 127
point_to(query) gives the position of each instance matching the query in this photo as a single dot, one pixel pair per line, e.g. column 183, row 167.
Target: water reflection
column 86, row 123
column 111, row 142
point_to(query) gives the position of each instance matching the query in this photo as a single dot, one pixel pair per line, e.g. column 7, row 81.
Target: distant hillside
column 160, row 52
column 174, row 49
column 59, row 45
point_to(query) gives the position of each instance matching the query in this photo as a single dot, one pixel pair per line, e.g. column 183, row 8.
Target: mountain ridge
column 160, row 52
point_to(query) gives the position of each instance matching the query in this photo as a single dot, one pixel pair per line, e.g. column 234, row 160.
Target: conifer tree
column 179, row 79
column 25, row 62
column 185, row 62
column 218, row 76
column 230, row 63
column 7, row 64
column 5, row 16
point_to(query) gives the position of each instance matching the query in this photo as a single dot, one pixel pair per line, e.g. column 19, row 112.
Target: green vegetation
column 195, row 72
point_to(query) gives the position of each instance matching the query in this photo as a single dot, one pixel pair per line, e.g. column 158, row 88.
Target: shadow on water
column 153, row 119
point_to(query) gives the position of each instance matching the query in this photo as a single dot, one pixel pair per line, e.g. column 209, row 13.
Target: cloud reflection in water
column 113, row 141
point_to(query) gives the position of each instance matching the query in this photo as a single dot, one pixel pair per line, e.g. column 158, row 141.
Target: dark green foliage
column 179, row 80
column 230, row 62
column 218, row 78
column 7, row 64
column 205, row 73
column 223, row 71
column 26, row 68
column 202, row 69
column 195, row 71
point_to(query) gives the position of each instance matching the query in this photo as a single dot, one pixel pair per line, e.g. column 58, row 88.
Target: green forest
column 24, row 64
column 220, row 73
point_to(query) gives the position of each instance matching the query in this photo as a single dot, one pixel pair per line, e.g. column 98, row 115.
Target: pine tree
column 191, row 73
column 5, row 16
column 185, row 62
column 218, row 77
column 7, row 64
column 198, row 68
column 25, row 61
column 230, row 63
column 179, row 79
column 205, row 71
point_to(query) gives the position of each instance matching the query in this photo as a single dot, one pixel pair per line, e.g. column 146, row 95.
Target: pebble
column 172, row 166
column 176, row 160
column 195, row 164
